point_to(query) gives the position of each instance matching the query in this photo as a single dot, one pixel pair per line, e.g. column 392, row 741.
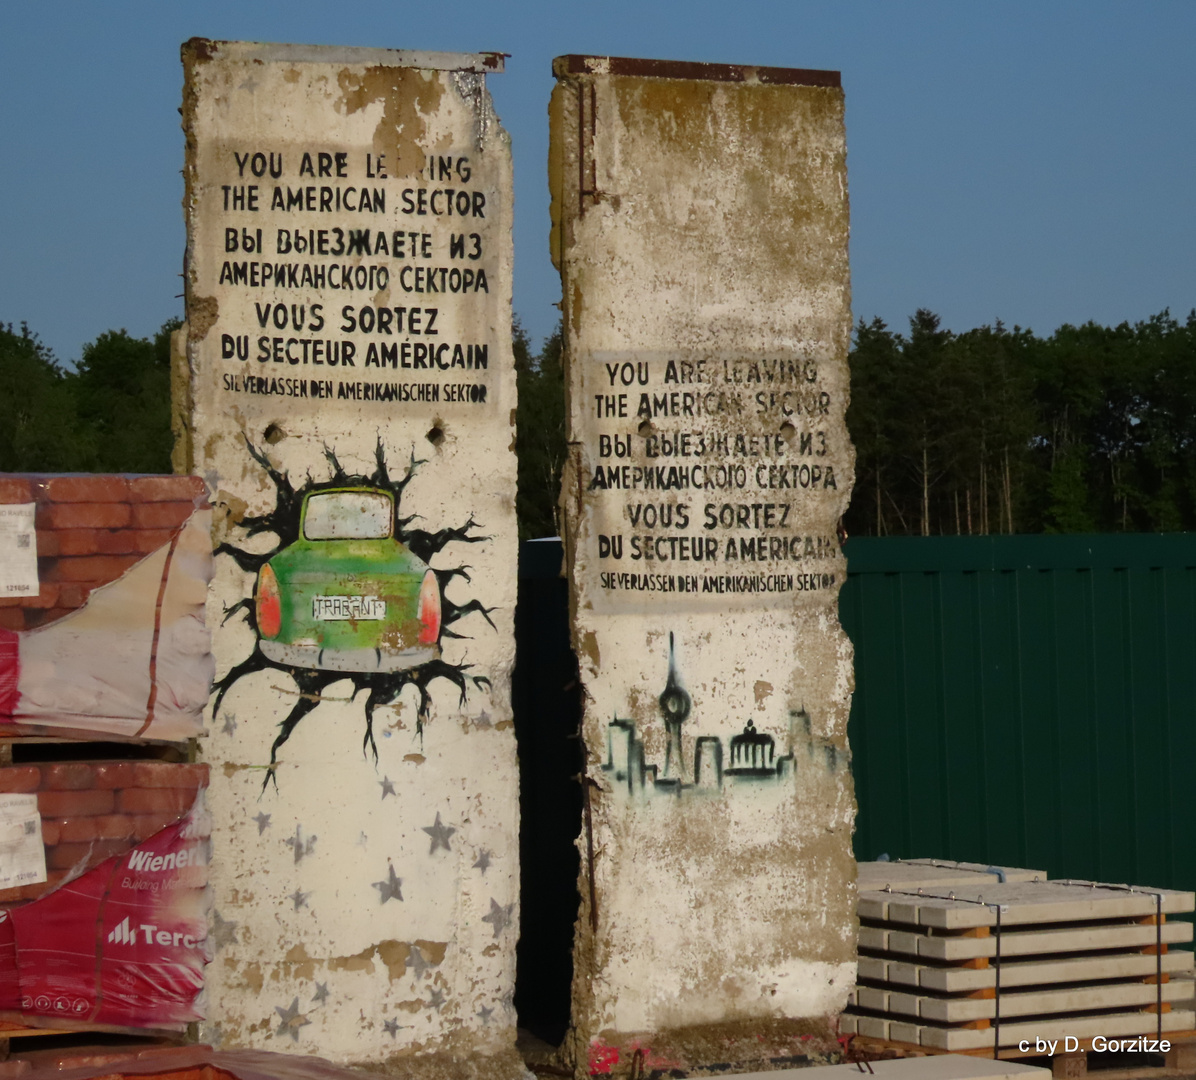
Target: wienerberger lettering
column 176, row 860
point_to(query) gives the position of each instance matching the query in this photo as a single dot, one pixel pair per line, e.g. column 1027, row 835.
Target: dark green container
column 1027, row 700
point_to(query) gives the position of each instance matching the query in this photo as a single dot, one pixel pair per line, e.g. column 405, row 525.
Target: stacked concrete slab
column 962, row 957
column 932, row 873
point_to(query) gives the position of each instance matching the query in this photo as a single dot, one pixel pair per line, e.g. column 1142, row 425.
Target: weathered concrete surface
column 700, row 226
column 348, row 301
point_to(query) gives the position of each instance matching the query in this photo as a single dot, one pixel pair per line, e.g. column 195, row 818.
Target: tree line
column 992, row 430
column 109, row 413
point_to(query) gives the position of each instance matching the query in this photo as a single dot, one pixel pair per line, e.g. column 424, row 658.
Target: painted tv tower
column 675, row 705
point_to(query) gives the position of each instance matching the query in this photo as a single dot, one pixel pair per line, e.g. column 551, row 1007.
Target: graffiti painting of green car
column 347, row 595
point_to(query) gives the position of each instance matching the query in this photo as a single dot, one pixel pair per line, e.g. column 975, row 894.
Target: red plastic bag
column 124, row 943
column 10, row 673
column 10, row 987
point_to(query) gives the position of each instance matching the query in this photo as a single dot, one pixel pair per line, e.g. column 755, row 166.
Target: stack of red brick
column 90, row 530
column 93, row 809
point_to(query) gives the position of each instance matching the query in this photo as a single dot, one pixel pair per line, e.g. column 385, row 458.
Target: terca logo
column 123, row 933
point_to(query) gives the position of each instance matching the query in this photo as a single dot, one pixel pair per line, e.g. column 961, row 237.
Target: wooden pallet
column 17, row 1025
column 35, row 1036
column 28, row 742
column 980, row 1034
column 1179, row 1060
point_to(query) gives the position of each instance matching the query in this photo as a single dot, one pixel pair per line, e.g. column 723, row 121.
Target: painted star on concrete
column 417, row 963
column 321, row 994
column 499, row 917
column 223, row 932
column 387, row 785
column 440, row 835
column 436, row 999
column 392, row 1027
column 229, row 727
column 299, row 899
column 362, row 839
column 484, row 1014
column 249, row 84
column 390, row 888
column 483, row 862
column 299, row 845
column 263, row 822
column 483, row 720
column 292, row 1020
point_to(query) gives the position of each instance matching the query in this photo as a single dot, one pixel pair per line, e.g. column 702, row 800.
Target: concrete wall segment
column 364, row 776
column 700, row 225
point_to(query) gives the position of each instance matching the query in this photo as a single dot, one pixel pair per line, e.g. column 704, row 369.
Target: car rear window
column 347, row 515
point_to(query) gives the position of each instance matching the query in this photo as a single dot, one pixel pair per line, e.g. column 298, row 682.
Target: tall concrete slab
column 348, row 395
column 700, row 226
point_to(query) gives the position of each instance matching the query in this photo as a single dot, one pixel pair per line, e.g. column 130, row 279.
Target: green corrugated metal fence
column 1027, row 700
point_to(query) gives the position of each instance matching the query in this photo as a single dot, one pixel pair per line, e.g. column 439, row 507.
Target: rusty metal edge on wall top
column 483, row 62
column 577, row 64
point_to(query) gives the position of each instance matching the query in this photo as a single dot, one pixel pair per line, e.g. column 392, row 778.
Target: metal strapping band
column 1158, row 935
column 981, row 902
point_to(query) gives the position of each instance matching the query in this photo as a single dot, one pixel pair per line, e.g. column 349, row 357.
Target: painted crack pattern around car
column 348, row 592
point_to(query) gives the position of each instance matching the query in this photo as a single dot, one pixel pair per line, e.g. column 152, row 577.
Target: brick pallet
column 91, row 808
column 96, row 808
column 101, row 787
column 106, row 645
column 90, row 530
column 1178, row 1063
column 967, row 966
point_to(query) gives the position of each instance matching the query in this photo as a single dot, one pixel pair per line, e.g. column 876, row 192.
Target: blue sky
column 1033, row 162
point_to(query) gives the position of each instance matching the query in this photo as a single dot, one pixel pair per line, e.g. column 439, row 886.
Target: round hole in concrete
column 645, row 429
column 274, row 434
column 436, row 435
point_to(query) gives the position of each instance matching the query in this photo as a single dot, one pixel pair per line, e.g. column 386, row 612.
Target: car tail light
column 269, row 604
column 429, row 609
